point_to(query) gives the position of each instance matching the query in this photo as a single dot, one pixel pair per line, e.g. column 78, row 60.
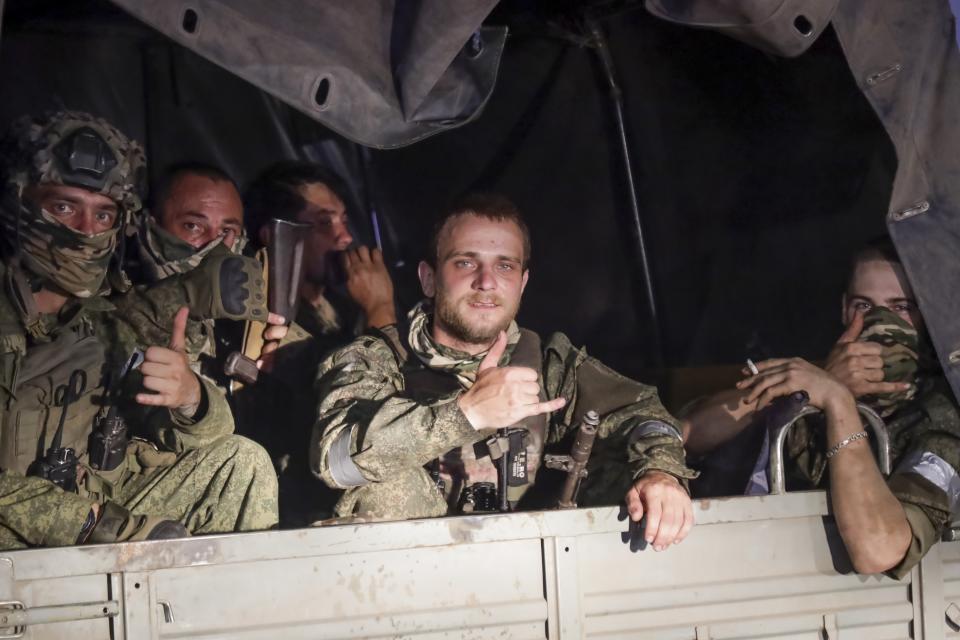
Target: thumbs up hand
column 502, row 396
column 167, row 374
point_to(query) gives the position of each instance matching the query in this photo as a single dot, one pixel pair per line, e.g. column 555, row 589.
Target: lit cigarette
column 753, row 368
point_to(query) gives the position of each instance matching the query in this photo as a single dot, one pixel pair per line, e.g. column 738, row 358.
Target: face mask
column 901, row 347
column 163, row 254
column 71, row 261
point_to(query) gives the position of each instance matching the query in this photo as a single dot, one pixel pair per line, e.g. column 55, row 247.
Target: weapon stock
column 575, row 464
column 283, row 272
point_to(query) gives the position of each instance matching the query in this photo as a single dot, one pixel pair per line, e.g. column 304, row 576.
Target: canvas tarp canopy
column 383, row 73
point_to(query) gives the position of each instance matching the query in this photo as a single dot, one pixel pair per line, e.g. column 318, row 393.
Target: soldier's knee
column 245, row 452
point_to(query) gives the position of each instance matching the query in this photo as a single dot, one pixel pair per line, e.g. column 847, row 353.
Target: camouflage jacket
column 924, row 450
column 93, row 336
column 373, row 435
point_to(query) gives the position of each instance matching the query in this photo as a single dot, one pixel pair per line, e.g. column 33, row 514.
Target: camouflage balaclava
column 73, row 149
column 901, row 356
column 162, row 254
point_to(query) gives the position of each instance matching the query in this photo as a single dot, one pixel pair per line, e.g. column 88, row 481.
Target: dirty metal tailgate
column 752, row 568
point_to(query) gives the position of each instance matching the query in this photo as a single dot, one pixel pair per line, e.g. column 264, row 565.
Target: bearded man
column 884, row 360
column 404, row 420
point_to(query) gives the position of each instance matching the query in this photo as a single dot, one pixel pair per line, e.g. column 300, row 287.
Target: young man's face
column 478, row 281
column 327, row 216
column 198, row 210
column 83, row 211
column 879, row 283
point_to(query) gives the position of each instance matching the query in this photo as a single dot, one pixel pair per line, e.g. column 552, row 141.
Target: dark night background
column 757, row 176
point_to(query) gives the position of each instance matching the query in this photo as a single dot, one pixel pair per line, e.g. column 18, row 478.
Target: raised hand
column 369, row 285
column 783, row 376
column 666, row 505
column 167, row 374
column 859, row 365
column 502, row 396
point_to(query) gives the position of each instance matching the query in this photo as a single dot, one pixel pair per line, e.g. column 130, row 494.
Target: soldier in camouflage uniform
column 344, row 292
column 884, row 360
column 197, row 210
column 69, row 189
column 404, row 421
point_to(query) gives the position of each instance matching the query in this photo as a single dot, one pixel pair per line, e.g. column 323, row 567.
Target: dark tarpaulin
column 383, row 74
column 740, row 167
column 903, row 57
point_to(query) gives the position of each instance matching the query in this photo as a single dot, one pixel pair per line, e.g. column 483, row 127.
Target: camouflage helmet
column 75, row 149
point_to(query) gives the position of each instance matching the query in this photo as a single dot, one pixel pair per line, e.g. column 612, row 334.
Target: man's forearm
column 871, row 520
column 715, row 420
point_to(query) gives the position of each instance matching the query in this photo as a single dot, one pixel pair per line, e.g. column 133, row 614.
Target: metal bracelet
column 835, row 449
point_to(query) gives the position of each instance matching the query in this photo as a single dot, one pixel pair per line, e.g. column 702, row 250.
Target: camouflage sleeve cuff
column 660, row 453
column 189, row 416
column 177, row 433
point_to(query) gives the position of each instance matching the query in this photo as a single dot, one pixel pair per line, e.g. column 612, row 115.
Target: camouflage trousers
column 228, row 485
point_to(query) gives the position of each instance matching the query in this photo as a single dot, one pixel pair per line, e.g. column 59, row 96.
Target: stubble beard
column 454, row 323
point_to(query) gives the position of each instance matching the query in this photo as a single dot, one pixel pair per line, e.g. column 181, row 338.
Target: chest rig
column 54, row 381
column 469, row 476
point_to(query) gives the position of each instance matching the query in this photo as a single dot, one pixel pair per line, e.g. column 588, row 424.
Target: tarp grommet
column 320, row 93
column 190, row 21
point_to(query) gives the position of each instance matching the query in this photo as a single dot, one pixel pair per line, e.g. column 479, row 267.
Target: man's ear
column 523, row 282
column 427, row 279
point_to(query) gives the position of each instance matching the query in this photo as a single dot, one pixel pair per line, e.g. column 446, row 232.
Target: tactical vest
column 35, row 380
column 464, row 466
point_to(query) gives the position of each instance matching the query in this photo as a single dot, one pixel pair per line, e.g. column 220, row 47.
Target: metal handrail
column 778, row 437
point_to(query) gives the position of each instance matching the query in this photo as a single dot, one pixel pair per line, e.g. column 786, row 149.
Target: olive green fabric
column 194, row 471
column 222, row 286
column 38, row 513
column 393, row 435
column 929, row 425
column 227, row 485
column 277, row 411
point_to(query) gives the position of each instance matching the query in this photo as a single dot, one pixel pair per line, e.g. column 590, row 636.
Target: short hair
column 175, row 172
column 879, row 248
column 491, row 206
column 275, row 193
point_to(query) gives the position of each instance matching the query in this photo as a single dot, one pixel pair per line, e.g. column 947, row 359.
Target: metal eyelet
column 909, row 212
column 878, row 77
